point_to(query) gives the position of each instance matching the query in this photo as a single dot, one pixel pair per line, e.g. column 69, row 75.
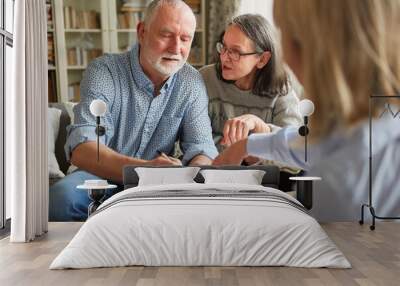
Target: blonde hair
column 350, row 49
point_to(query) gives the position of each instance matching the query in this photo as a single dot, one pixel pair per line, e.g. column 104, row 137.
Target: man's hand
column 111, row 163
column 164, row 160
column 238, row 128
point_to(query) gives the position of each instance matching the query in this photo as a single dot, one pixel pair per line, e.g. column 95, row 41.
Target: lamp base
column 96, row 192
column 97, row 196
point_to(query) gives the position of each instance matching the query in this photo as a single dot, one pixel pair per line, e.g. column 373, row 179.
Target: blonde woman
column 249, row 88
column 342, row 52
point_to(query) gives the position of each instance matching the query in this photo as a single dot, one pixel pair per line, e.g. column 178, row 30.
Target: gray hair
column 154, row 5
column 272, row 79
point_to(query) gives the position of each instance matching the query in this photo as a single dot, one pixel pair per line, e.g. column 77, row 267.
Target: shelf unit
column 51, row 54
column 87, row 29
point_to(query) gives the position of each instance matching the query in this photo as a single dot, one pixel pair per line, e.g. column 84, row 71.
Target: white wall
column 263, row 7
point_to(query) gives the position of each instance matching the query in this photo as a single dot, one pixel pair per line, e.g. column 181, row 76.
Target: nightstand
column 304, row 189
column 96, row 194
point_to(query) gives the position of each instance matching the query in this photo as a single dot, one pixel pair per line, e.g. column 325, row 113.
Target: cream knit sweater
column 227, row 101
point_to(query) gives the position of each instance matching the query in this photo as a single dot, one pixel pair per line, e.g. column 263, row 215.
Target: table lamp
column 97, row 188
column 306, row 109
column 98, row 108
column 304, row 191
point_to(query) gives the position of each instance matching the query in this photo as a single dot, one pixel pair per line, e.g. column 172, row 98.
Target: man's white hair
column 154, row 5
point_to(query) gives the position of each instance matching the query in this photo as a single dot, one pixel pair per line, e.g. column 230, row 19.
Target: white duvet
column 231, row 230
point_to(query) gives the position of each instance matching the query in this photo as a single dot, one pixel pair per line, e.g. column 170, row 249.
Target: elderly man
column 153, row 98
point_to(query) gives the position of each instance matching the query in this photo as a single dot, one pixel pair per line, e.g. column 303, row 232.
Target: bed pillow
column 53, row 124
column 162, row 176
column 248, row 177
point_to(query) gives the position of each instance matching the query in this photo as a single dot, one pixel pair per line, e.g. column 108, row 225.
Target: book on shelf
column 49, row 16
column 74, row 93
column 124, row 48
column 195, row 5
column 134, row 5
column 50, row 49
column 199, row 21
column 195, row 56
column 140, row 5
column 79, row 56
column 52, row 86
column 129, row 20
column 76, row 19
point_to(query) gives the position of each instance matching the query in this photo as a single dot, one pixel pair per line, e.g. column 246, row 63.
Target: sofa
column 63, row 121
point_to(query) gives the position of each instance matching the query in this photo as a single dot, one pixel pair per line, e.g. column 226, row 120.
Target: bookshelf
column 84, row 30
column 51, row 53
column 82, row 35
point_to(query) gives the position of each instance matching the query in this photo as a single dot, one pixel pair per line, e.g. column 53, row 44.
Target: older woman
column 249, row 89
column 342, row 52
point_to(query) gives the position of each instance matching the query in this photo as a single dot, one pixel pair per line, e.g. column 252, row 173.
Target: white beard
column 167, row 69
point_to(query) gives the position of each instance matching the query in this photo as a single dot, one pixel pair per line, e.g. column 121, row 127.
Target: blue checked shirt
column 138, row 124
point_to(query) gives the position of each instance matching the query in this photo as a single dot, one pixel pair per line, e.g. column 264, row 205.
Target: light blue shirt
column 342, row 161
column 138, row 124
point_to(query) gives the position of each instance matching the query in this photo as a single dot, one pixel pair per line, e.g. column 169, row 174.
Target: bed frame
column 273, row 178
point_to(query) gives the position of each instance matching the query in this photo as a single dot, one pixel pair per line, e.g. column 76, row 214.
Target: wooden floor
column 374, row 255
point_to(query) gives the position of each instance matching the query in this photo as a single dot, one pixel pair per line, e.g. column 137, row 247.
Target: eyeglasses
column 234, row 55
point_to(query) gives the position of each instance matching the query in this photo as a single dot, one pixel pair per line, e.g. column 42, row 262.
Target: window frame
column 6, row 39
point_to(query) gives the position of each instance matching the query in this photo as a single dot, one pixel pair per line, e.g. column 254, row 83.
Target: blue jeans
column 67, row 203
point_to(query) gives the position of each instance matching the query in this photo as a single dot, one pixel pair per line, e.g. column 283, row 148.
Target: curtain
column 219, row 13
column 26, row 124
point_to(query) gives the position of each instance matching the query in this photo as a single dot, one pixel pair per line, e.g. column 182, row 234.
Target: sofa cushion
column 53, row 125
column 62, row 137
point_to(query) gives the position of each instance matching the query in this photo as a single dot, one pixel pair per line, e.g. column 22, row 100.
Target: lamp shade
column 306, row 107
column 98, row 107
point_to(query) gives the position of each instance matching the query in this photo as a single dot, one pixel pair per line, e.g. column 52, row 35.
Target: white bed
column 201, row 224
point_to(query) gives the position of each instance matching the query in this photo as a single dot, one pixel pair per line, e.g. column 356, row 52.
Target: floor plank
column 374, row 255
